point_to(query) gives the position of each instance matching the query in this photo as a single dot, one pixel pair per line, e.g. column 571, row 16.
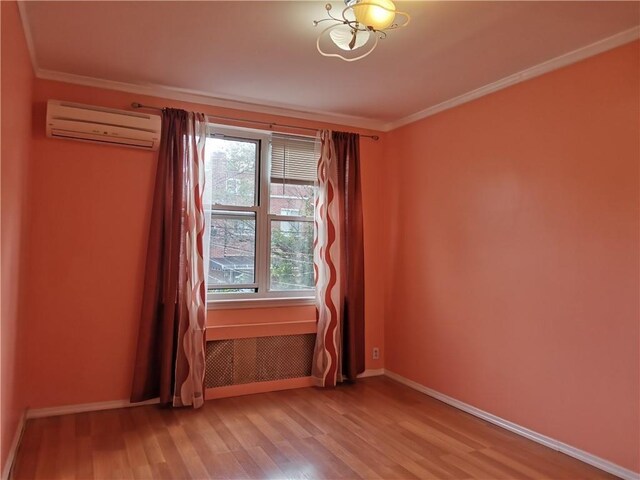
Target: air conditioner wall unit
column 108, row 126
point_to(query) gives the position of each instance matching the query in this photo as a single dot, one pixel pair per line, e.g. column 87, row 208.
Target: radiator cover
column 248, row 360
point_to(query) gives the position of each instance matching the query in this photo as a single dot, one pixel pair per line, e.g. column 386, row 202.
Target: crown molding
column 204, row 98
column 535, row 71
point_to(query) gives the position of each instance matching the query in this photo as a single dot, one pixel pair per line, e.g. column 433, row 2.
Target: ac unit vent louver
column 108, row 126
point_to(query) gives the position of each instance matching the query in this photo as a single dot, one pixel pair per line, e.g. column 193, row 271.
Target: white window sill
column 241, row 303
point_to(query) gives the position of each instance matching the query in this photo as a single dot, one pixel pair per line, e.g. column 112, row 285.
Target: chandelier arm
column 407, row 19
column 353, row 23
column 316, row 22
column 349, row 7
column 328, row 9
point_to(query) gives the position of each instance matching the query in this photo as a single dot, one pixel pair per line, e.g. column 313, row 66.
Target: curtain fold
column 347, row 148
column 170, row 355
column 338, row 260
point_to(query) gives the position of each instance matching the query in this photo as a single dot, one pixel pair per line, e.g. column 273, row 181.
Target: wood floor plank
column 142, row 472
column 443, row 470
column 329, row 465
column 171, row 453
column 349, row 458
column 374, row 429
column 200, row 430
column 187, row 452
column 84, row 460
column 230, row 466
column 265, row 427
column 296, row 465
column 516, row 469
column 231, row 443
column 301, row 419
column 265, row 462
column 251, row 468
column 375, row 458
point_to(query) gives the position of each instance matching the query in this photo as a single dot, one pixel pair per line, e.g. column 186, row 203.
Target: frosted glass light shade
column 342, row 36
column 377, row 14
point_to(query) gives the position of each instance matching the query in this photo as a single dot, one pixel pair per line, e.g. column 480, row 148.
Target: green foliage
column 292, row 256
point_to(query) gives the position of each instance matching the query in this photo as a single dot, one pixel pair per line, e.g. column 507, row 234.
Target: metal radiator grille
column 248, row 360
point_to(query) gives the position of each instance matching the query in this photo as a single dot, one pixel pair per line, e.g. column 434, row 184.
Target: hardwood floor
column 374, row 429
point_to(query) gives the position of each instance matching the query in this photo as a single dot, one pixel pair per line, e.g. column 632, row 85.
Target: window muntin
column 261, row 216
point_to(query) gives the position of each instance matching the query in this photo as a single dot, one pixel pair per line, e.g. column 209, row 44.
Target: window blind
column 293, row 159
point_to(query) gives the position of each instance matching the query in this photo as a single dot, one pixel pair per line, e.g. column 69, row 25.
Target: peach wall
column 513, row 283
column 89, row 225
column 16, row 90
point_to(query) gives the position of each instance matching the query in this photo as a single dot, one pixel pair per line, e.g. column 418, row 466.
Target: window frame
column 263, row 295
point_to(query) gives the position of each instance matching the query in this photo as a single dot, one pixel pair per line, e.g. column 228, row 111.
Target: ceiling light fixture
column 363, row 23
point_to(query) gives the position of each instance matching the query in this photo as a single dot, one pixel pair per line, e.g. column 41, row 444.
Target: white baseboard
column 371, row 372
column 85, row 407
column 581, row 455
column 13, row 450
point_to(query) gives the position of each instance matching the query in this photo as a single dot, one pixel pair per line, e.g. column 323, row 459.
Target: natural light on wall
column 356, row 34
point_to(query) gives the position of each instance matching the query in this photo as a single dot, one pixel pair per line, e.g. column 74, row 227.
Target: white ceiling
column 264, row 52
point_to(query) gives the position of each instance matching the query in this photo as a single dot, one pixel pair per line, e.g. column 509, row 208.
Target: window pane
column 291, row 199
column 291, row 255
column 233, row 166
column 232, row 254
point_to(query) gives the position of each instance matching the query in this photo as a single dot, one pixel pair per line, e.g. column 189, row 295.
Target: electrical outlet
column 376, row 353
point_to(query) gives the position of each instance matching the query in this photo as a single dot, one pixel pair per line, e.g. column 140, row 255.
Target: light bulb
column 376, row 14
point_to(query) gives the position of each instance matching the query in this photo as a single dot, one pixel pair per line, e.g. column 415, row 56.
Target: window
column 260, row 188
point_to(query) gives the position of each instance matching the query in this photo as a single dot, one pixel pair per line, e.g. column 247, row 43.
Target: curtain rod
column 243, row 120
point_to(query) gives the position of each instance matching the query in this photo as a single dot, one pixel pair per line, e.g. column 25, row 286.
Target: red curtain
column 170, row 355
column 339, row 261
column 347, row 147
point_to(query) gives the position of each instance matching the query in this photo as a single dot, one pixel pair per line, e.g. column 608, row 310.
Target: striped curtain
column 190, row 355
column 170, row 358
column 338, row 261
